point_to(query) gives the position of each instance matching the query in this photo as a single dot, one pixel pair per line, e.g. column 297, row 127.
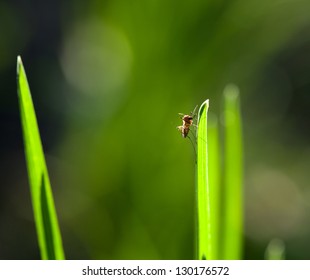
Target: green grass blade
column 214, row 182
column 48, row 232
column 232, row 190
column 204, row 237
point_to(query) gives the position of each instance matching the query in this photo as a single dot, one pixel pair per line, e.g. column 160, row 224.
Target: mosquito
column 188, row 121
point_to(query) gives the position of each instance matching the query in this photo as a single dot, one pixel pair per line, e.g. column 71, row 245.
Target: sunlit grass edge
column 214, row 175
column 48, row 232
column 204, row 238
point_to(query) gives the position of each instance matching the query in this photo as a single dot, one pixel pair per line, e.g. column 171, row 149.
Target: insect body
column 185, row 127
column 187, row 123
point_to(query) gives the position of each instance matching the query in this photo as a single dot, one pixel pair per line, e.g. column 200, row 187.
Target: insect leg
column 193, row 135
column 193, row 148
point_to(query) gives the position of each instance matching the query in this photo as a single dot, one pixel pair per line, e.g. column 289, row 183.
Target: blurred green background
column 108, row 80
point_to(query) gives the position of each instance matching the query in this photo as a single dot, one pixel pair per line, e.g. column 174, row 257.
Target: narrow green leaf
column 214, row 182
column 233, row 168
column 204, row 237
column 48, row 232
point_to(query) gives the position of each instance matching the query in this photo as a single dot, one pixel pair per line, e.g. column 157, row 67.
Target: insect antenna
column 194, row 113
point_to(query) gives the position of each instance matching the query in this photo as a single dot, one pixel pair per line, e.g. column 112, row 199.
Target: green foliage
column 48, row 232
column 204, row 240
column 220, row 210
column 219, row 213
column 214, row 181
column 233, row 173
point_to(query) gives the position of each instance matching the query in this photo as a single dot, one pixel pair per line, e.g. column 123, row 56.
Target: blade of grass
column 49, row 237
column 233, row 168
column 214, row 182
column 204, row 237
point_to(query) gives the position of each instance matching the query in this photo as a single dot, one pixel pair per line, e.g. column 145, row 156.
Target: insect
column 187, row 123
column 185, row 128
